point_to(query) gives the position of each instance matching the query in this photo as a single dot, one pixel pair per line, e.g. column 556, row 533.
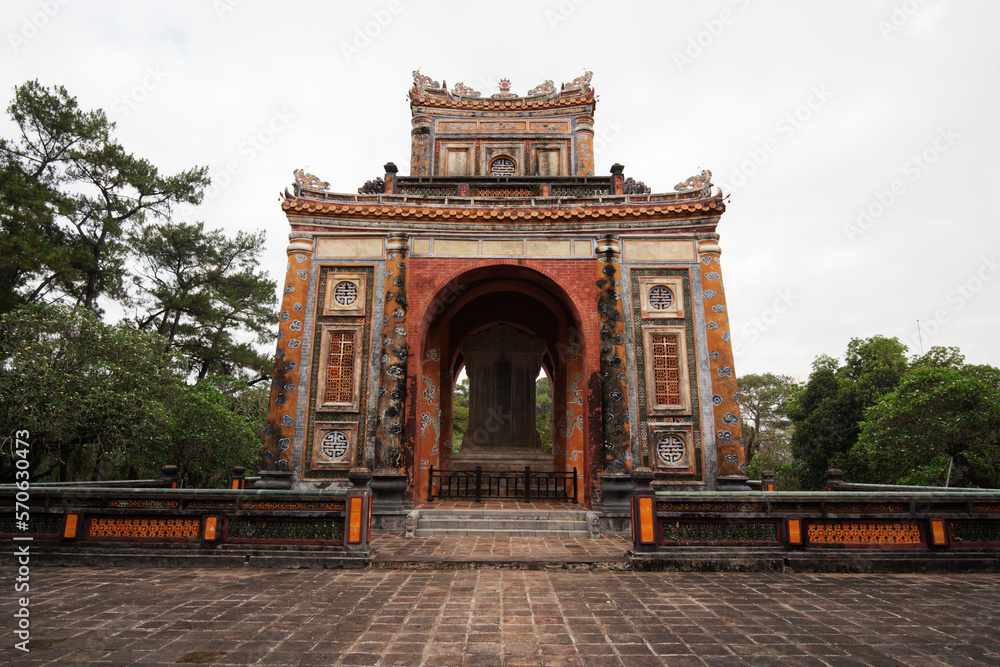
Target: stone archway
column 506, row 323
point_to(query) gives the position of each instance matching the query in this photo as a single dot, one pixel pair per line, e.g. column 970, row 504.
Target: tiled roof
column 534, row 209
column 427, row 99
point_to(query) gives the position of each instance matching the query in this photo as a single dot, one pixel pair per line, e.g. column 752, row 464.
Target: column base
column 387, row 492
column 732, row 484
column 272, row 479
column 360, row 477
column 616, row 493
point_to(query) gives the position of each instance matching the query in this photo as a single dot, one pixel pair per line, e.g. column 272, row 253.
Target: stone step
column 493, row 532
column 444, row 523
column 540, row 515
column 501, row 523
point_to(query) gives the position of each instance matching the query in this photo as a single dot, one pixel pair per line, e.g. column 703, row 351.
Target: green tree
column 543, row 412
column 937, row 416
column 939, row 357
column 208, row 436
column 88, row 392
column 107, row 401
column 200, row 290
column 460, row 413
column 875, row 365
column 69, row 194
column 828, row 410
column 762, row 400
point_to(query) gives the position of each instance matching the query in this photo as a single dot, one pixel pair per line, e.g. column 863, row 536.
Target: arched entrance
column 504, row 322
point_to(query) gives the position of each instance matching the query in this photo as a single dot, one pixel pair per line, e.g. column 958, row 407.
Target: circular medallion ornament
column 661, row 297
column 345, row 293
column 670, row 449
column 335, row 445
column 502, row 166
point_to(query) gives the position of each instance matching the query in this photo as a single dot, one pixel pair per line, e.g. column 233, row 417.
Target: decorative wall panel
column 345, row 294
column 334, row 445
column 672, row 448
column 661, row 297
column 340, row 368
column 667, row 382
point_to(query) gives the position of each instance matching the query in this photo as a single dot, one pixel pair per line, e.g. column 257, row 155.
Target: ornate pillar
column 618, row 179
column 420, row 146
column 584, row 146
column 389, row 479
column 280, row 429
column 616, row 481
column 390, row 177
column 430, row 406
column 728, row 429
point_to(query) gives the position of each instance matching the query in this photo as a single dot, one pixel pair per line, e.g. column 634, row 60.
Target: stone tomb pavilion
column 502, row 253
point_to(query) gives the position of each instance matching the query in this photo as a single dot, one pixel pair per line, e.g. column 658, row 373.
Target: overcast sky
column 858, row 139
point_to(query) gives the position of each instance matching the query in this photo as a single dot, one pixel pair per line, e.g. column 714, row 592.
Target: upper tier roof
column 429, row 93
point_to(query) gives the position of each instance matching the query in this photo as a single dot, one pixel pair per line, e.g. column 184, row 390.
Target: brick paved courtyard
column 503, row 617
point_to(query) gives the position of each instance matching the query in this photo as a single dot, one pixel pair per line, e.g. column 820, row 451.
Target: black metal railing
column 515, row 484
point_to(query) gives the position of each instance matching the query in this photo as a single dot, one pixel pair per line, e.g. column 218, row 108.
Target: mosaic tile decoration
column 359, row 416
column 677, row 416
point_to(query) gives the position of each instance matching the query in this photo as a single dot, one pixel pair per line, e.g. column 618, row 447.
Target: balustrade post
column 574, row 485
column 834, row 478
column 430, row 484
column 527, row 484
column 170, row 476
column 479, row 484
column 644, row 525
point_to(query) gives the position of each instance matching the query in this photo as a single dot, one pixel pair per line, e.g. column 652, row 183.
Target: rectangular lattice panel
column 125, row 528
column 975, row 533
column 280, row 530
column 871, row 533
column 666, row 369
column 719, row 532
column 486, row 191
column 340, row 366
column 340, row 372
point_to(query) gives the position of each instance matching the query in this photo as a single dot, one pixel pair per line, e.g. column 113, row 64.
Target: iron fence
column 515, row 484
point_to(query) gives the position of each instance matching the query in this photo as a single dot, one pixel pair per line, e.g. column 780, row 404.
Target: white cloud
column 227, row 75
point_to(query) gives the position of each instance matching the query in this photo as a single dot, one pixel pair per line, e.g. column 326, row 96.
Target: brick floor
column 606, row 551
column 502, row 617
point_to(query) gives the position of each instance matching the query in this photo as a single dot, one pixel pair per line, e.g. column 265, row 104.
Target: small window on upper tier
column 502, row 166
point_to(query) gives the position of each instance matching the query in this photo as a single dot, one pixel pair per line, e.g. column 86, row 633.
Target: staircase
column 502, row 523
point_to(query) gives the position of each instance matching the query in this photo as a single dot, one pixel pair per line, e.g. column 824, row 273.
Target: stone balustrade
column 199, row 527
